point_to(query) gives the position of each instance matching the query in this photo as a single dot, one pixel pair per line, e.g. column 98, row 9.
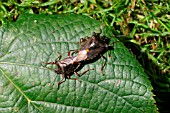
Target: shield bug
column 67, row 67
column 92, row 47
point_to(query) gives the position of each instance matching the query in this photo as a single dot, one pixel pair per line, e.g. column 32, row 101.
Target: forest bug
column 91, row 48
column 66, row 67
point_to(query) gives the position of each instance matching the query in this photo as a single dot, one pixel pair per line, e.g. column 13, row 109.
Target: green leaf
column 28, row 86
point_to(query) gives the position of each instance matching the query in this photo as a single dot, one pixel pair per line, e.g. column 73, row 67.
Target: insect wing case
column 92, row 47
column 67, row 65
column 86, row 44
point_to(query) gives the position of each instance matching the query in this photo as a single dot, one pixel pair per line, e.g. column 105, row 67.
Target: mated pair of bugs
column 90, row 48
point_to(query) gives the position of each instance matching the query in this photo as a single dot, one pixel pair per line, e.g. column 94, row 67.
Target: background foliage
column 144, row 26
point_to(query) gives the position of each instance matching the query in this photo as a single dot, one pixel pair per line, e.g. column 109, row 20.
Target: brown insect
column 92, row 47
column 66, row 67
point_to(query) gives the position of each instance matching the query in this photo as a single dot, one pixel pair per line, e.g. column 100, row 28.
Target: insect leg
column 83, row 72
column 75, row 79
column 103, row 64
column 74, row 51
column 59, row 57
column 83, row 40
column 49, row 62
column 61, row 81
column 76, row 69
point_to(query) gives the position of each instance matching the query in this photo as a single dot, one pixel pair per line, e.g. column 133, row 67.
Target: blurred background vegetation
column 142, row 25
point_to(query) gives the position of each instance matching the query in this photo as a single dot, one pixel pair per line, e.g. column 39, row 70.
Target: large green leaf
column 28, row 86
